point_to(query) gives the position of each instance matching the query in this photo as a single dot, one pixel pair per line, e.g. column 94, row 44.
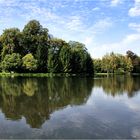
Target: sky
column 102, row 25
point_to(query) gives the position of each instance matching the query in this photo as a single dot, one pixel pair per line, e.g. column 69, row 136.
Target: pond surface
column 70, row 107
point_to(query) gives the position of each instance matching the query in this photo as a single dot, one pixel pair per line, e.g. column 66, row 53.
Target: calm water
column 70, row 107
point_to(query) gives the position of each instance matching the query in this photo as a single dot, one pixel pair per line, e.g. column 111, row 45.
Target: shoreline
column 43, row 75
column 3, row 74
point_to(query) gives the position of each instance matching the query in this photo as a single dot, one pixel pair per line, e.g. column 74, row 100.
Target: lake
column 105, row 107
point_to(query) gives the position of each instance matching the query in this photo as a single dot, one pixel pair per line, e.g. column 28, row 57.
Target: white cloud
column 129, row 42
column 88, row 41
column 135, row 11
column 96, row 9
column 69, row 26
column 101, row 25
column 131, row 38
column 13, row 3
column 74, row 23
column 115, row 2
column 134, row 26
column 41, row 13
column 77, row 30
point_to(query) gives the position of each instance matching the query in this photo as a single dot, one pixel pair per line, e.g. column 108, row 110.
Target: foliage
column 113, row 63
column 97, row 65
column 29, row 62
column 11, row 62
column 11, row 41
column 54, row 63
column 36, row 41
column 106, row 67
column 0, row 48
column 89, row 64
column 81, row 61
column 41, row 52
column 66, row 58
column 135, row 61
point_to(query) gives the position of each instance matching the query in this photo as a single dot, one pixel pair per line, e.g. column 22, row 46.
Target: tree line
column 35, row 50
column 117, row 63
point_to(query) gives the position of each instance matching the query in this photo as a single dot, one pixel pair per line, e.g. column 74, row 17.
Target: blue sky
column 102, row 25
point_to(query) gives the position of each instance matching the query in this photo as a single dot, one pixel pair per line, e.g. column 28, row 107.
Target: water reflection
column 37, row 98
column 70, row 107
column 118, row 85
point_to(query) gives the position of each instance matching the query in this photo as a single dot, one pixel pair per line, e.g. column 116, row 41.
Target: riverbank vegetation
column 34, row 50
column 117, row 63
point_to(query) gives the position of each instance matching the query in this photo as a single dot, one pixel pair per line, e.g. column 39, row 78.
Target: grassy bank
column 3, row 74
column 110, row 74
column 41, row 74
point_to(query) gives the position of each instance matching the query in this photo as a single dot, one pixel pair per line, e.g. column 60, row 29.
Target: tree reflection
column 118, row 85
column 37, row 98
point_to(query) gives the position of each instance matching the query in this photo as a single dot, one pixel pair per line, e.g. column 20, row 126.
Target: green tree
column 128, row 64
column 54, row 62
column 66, row 58
column 113, row 62
column 0, row 48
column 89, row 64
column 97, row 65
column 11, row 41
column 11, row 62
column 80, row 58
column 29, row 62
column 33, row 36
column 116, row 63
column 47, row 54
column 36, row 40
column 135, row 61
column 124, row 64
column 42, row 49
column 106, row 67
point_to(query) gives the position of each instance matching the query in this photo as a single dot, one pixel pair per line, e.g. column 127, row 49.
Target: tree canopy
column 38, row 51
column 117, row 63
column 34, row 49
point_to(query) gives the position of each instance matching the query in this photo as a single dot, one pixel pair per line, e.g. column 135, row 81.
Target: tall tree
column 106, row 67
column 97, row 65
column 0, row 48
column 42, row 50
column 89, row 64
column 36, row 41
column 66, row 58
column 54, row 62
column 11, row 41
column 79, row 57
column 135, row 61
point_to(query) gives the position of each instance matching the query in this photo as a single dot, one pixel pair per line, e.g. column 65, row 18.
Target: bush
column 11, row 62
column 29, row 62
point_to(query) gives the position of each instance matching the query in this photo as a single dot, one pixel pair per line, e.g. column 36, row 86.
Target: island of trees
column 34, row 50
